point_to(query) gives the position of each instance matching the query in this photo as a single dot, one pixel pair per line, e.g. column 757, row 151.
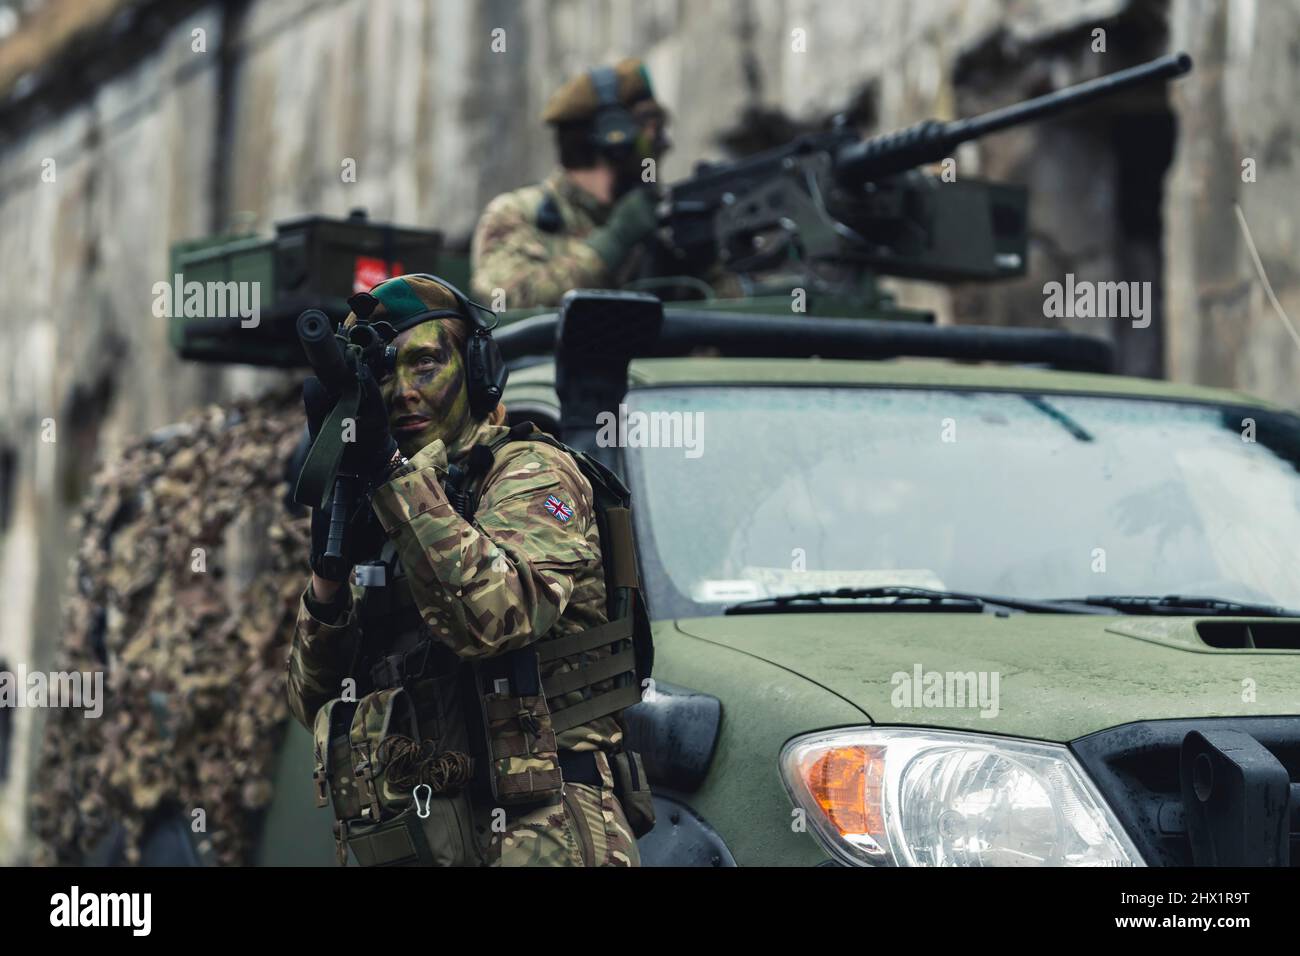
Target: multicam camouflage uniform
column 517, row 573
column 531, row 265
column 531, row 244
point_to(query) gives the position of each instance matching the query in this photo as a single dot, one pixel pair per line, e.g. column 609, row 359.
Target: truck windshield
column 756, row 491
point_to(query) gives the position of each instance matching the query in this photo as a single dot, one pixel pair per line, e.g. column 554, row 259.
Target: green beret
column 404, row 301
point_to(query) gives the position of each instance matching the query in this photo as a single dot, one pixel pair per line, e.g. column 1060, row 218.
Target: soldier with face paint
column 378, row 673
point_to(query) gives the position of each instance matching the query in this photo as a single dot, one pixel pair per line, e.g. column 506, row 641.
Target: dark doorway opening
column 1096, row 178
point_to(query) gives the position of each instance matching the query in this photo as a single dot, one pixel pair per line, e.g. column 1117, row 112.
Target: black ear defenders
column 613, row 127
column 485, row 370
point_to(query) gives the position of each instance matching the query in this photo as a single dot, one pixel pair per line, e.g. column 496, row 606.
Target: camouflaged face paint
column 427, row 394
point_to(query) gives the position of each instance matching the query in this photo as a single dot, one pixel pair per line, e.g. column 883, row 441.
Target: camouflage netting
column 195, row 702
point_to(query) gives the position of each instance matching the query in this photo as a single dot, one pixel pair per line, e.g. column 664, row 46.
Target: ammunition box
column 311, row 262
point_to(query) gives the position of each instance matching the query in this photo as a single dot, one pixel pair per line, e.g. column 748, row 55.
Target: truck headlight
column 889, row 796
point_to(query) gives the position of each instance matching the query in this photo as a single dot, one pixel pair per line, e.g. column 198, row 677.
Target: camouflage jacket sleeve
column 319, row 657
column 530, row 266
column 502, row 582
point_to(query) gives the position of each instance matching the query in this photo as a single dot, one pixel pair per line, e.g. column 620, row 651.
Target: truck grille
column 1213, row 798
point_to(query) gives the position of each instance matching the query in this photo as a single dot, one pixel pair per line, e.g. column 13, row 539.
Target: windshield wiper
column 904, row 598
column 1182, row 604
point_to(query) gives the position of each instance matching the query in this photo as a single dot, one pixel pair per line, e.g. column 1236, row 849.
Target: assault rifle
column 325, row 479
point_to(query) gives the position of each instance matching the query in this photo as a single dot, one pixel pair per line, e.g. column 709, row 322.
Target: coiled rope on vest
column 409, row 764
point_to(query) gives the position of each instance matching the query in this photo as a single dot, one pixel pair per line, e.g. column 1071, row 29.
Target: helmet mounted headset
column 613, row 127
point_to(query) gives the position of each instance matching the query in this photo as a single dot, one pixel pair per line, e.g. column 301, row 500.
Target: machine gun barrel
column 931, row 140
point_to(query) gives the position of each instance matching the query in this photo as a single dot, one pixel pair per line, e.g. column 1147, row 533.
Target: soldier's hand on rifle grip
column 631, row 221
column 370, row 448
column 375, row 446
column 317, row 403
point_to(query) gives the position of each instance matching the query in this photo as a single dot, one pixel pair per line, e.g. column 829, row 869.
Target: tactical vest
column 426, row 735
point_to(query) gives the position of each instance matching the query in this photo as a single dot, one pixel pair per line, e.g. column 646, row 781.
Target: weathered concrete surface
column 1239, row 105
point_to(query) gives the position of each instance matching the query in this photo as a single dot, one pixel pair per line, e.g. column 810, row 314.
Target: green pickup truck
column 921, row 612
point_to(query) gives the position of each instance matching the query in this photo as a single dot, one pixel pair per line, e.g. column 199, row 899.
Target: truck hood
column 1046, row 676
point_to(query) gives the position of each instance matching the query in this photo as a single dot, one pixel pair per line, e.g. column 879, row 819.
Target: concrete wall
column 1239, row 105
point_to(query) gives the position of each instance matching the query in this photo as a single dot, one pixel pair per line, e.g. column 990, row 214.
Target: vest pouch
column 332, row 775
column 633, row 791
column 443, row 837
column 522, row 761
column 383, row 823
column 377, row 716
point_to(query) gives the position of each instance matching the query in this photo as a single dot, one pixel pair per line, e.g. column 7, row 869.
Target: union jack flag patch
column 558, row 508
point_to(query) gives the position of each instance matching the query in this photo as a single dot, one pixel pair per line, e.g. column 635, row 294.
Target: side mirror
column 598, row 334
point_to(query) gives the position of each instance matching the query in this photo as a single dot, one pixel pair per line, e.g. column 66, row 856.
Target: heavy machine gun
column 837, row 207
